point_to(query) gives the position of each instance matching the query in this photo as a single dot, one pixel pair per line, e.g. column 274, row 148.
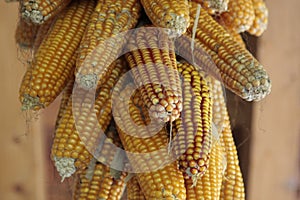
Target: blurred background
column 267, row 133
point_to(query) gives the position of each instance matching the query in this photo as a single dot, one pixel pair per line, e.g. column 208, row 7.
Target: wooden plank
column 21, row 142
column 276, row 140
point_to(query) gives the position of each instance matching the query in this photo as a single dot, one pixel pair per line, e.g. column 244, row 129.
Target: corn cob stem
column 239, row 70
column 153, row 62
column 54, row 62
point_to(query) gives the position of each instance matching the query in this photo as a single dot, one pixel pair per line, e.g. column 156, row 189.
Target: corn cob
column 153, row 61
column 25, row 34
column 168, row 14
column 232, row 184
column 66, row 95
column 209, row 185
column 134, row 191
column 53, row 63
column 149, row 155
column 97, row 183
column 193, row 128
column 260, row 22
column 100, row 45
column 214, row 7
column 71, row 151
column 239, row 70
column 39, row 11
column 239, row 17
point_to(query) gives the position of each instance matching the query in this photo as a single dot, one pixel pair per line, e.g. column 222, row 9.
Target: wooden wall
column 26, row 173
column 275, row 151
column 22, row 174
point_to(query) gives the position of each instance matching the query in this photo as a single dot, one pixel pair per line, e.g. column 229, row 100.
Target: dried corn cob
column 70, row 149
column 209, row 185
column 26, row 33
column 193, row 130
column 214, row 6
column 232, row 184
column 260, row 22
column 168, row 14
column 39, row 11
column 153, row 63
column 239, row 17
column 53, row 63
column 134, row 191
column 239, row 70
column 148, row 154
column 100, row 45
column 97, row 183
column 66, row 95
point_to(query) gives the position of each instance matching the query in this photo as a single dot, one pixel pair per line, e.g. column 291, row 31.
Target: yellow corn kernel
column 96, row 182
column 232, row 184
column 209, row 185
column 260, row 22
column 74, row 141
column 101, row 44
column 238, row 69
column 214, row 7
column 53, row 63
column 66, row 95
column 39, row 11
column 168, row 14
column 159, row 179
column 154, row 68
column 193, row 129
column 134, row 191
column 239, row 17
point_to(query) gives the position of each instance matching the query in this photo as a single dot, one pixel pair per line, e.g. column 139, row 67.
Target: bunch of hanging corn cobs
column 202, row 51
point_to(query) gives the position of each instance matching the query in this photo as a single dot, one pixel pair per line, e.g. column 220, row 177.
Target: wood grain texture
column 274, row 165
column 21, row 169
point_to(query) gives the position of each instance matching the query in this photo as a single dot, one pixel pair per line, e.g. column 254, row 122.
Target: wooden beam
column 22, row 165
column 275, row 143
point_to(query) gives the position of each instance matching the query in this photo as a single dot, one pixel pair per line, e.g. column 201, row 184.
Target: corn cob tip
column 178, row 24
column 65, row 167
column 87, row 81
column 30, row 103
column 35, row 16
column 259, row 89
